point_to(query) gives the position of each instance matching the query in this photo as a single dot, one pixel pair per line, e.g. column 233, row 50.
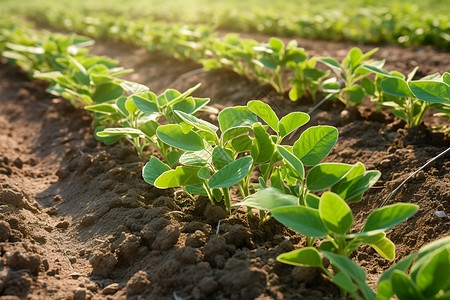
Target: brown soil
column 77, row 221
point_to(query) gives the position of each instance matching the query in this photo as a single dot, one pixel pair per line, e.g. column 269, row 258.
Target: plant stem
column 226, row 197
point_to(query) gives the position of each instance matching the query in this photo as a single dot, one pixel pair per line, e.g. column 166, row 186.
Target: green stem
column 208, row 191
column 269, row 168
column 226, row 197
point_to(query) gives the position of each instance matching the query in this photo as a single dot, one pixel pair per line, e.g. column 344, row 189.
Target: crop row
column 203, row 159
column 419, row 23
column 269, row 62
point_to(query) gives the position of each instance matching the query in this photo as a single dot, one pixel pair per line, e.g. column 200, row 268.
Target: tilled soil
column 77, row 221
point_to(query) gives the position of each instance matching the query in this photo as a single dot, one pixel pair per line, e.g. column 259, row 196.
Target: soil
column 77, row 221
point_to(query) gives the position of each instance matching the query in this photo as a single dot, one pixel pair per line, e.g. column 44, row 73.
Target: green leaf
column 195, row 159
column 403, row 287
column 345, row 282
column 330, row 62
column 242, row 143
column 446, row 78
column 312, row 201
column 434, row 275
column 146, row 103
column 307, row 256
column 387, row 217
column 196, row 189
column 234, row 132
column 173, row 157
column 204, row 173
column 196, row 122
column 376, row 70
column 173, row 135
column 269, row 199
column 384, row 288
column 290, row 122
column 293, row 161
column 396, row 87
column 133, row 87
column 265, row 112
column 276, row 44
column 236, row 116
column 231, row 173
column 220, row 158
column 356, row 186
column 131, row 107
column 263, row 146
column 120, row 131
column 369, row 86
column 385, row 248
column 325, row 175
column 181, row 176
column 315, row 143
column 355, row 55
column 149, row 128
column 352, row 270
column 302, row 219
column 335, row 213
column 356, row 94
column 102, row 108
column 107, row 92
column 431, row 91
column 153, row 169
column 107, row 140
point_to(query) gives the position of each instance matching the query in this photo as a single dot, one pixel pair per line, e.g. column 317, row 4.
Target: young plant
column 410, row 99
column 351, row 71
column 330, row 221
column 274, row 57
column 139, row 115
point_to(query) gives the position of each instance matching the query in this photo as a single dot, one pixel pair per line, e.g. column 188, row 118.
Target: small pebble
column 440, row 214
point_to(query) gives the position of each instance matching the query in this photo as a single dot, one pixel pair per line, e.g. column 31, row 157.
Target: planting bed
column 78, row 221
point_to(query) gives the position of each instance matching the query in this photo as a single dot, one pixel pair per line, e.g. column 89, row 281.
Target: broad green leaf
column 131, row 107
column 345, row 282
column 356, row 186
column 315, row 143
column 173, row 157
column 352, row 270
column 186, row 105
column 220, row 158
column 181, row 176
column 368, row 86
column 276, row 44
column 171, row 95
column 384, row 288
column 396, row 87
column 330, row 62
column 120, row 131
column 269, row 199
column 236, row 116
column 263, row 146
column 368, row 237
column 195, row 159
column 107, row 140
column 153, row 169
column 295, row 55
column 335, row 213
column 377, row 70
column 446, row 78
column 146, row 103
column 387, row 217
column 234, row 132
column 385, row 248
column 302, row 219
column 434, row 275
column 433, row 246
column 325, row 175
column 231, row 173
column 196, row 189
column 196, row 122
column 431, row 91
column 354, row 56
column 307, row 256
column 356, row 94
column 270, row 63
column 242, row 143
column 133, row 87
column 102, row 108
column 173, row 135
column 120, row 102
column 204, row 173
column 149, row 128
column 107, row 92
column 290, row 122
column 403, row 287
column 293, row 161
column 265, row 112
column 312, row 201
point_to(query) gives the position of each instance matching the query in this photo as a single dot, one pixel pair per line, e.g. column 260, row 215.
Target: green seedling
column 276, row 56
column 139, row 115
column 410, row 99
column 330, row 221
column 353, row 74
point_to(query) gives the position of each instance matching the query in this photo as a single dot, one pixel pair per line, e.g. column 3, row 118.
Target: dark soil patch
column 78, row 221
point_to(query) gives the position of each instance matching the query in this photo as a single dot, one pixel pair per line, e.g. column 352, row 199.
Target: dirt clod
column 137, row 283
column 19, row 261
column 103, row 264
column 5, row 231
column 111, row 289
